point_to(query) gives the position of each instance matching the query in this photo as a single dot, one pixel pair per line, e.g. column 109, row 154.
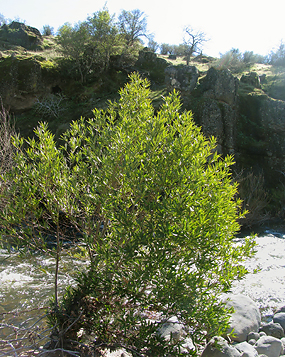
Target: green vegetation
column 158, row 241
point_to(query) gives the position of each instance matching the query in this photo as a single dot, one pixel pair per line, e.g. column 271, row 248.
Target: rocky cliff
column 246, row 122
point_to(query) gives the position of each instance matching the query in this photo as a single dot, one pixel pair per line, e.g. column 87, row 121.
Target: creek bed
column 28, row 284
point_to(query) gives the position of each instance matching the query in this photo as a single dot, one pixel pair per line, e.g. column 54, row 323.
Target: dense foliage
column 155, row 210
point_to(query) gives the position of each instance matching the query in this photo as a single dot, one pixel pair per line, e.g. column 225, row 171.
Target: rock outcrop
column 152, row 66
column 183, row 78
column 19, row 34
column 214, row 104
column 252, row 79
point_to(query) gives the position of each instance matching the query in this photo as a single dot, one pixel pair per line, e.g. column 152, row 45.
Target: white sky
column 249, row 25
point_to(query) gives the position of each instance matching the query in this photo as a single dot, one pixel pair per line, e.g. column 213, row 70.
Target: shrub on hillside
column 155, row 208
column 47, row 30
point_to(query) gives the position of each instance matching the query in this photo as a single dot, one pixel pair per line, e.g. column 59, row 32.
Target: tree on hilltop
column 132, row 25
column 193, row 41
column 90, row 44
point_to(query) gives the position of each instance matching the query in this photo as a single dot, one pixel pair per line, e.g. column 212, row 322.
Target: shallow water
column 29, row 282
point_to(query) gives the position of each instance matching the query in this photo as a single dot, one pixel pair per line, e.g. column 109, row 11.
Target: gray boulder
column 246, row 349
column 280, row 318
column 219, row 347
column 246, row 317
column 273, row 329
column 270, row 346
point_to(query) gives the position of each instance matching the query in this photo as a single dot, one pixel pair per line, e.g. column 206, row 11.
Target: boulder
column 219, row 347
column 273, row 329
column 246, row 349
column 181, row 77
column 246, row 317
column 270, row 346
column 280, row 319
column 20, row 82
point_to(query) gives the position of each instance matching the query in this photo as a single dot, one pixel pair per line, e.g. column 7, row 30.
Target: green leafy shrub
column 155, row 208
column 233, row 60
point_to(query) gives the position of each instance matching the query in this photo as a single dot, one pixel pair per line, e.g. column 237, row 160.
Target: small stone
column 252, row 341
column 253, row 335
column 187, row 345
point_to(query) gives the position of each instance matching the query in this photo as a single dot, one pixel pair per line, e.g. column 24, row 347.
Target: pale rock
column 246, row 317
column 246, row 349
column 187, row 345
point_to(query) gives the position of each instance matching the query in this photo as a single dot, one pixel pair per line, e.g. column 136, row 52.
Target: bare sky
column 249, row 25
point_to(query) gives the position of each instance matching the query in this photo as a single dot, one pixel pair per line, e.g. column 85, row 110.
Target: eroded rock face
column 214, row 103
column 261, row 136
column 20, row 80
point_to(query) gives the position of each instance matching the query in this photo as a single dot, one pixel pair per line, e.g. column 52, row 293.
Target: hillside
column 243, row 106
